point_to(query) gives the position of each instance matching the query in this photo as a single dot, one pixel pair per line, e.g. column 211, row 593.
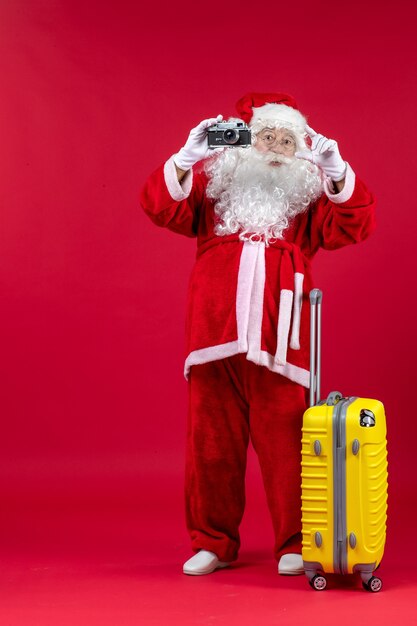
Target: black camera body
column 231, row 134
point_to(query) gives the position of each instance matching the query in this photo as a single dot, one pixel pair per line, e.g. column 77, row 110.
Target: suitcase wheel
column 318, row 582
column 374, row 584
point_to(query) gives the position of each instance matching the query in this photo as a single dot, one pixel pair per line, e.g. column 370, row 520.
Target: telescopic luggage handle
column 316, row 297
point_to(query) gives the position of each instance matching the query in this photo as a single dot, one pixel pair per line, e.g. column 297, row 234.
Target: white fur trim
column 213, row 353
column 279, row 113
column 347, row 190
column 298, row 303
column 293, row 372
column 178, row 191
column 284, row 321
column 245, row 280
column 256, row 305
column 249, row 313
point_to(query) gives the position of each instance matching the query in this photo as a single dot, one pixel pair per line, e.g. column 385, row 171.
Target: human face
column 276, row 140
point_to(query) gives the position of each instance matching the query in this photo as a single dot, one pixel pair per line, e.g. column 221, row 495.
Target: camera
column 232, row 134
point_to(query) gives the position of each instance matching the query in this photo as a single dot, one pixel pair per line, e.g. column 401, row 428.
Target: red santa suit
column 247, row 350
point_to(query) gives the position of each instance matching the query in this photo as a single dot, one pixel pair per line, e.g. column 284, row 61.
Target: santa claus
column 260, row 214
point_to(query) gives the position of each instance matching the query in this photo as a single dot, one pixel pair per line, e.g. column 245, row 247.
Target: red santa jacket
column 247, row 297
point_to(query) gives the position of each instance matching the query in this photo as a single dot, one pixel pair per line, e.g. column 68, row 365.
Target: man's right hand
column 195, row 148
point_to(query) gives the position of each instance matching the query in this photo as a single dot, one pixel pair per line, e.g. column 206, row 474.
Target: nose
column 277, row 148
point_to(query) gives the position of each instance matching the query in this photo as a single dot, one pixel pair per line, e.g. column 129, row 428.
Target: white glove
column 324, row 153
column 195, row 148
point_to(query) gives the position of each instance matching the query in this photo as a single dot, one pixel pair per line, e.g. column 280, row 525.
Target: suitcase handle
column 333, row 398
column 316, row 297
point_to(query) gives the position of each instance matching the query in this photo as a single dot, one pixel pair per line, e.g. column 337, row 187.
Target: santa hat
column 260, row 110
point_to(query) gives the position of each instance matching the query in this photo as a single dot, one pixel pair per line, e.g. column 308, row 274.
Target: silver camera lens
column 231, row 136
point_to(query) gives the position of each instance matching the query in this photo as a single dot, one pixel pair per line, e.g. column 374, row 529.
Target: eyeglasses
column 271, row 138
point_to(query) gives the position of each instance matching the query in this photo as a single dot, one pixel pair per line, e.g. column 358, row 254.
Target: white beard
column 256, row 199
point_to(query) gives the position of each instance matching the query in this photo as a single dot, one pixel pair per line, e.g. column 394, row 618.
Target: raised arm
column 325, row 154
column 195, row 148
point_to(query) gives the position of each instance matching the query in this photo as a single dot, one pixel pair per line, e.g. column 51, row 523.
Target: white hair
column 256, row 199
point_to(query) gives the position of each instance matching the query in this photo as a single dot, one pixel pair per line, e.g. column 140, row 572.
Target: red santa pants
column 231, row 400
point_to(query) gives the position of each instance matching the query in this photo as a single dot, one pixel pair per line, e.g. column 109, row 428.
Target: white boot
column 203, row 562
column 291, row 565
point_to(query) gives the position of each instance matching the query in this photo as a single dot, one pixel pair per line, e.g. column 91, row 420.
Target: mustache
column 270, row 157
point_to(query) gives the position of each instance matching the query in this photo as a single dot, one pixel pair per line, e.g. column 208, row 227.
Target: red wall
column 94, row 96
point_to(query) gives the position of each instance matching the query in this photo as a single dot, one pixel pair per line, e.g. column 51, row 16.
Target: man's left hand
column 325, row 154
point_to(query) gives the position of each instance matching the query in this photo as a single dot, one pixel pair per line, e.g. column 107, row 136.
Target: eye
column 289, row 141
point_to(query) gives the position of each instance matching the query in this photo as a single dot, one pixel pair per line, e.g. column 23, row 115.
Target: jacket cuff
column 347, row 191
column 178, row 191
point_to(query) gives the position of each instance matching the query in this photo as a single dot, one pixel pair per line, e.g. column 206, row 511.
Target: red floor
column 76, row 563
column 45, row 591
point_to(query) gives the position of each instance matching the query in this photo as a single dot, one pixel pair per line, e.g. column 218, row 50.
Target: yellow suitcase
column 343, row 479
